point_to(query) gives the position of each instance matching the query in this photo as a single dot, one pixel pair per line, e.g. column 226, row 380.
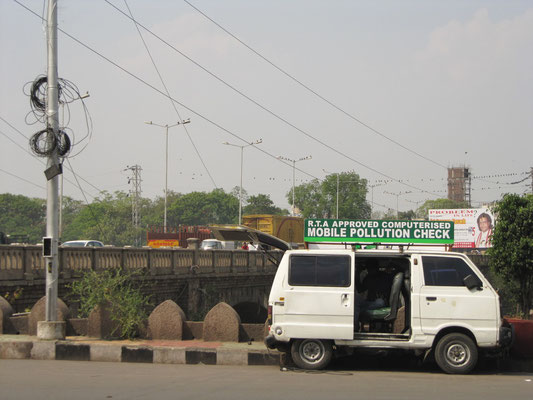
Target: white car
column 83, row 243
column 211, row 244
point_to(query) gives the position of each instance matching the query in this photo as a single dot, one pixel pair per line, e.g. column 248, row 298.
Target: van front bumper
column 507, row 336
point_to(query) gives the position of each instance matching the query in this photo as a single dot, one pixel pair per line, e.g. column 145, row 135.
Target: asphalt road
column 31, row 379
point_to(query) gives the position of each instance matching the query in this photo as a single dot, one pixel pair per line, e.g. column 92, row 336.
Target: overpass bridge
column 195, row 279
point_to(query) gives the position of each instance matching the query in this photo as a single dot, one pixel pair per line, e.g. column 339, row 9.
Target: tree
column 107, row 218
column 318, row 199
column 512, row 246
column 409, row 215
column 22, row 215
column 262, row 204
column 439, row 204
column 201, row 208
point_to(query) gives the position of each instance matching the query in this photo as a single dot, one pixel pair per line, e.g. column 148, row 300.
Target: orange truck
column 175, row 237
column 289, row 229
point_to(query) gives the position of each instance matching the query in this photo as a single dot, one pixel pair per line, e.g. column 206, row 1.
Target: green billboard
column 378, row 231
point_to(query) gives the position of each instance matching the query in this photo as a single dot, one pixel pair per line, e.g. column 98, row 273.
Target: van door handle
column 431, row 298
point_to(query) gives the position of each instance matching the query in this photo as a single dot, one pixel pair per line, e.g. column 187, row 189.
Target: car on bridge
column 83, row 243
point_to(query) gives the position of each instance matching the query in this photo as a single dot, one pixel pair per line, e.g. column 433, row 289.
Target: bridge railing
column 21, row 262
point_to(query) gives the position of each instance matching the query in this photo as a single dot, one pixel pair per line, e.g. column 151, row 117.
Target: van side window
column 446, row 271
column 320, row 271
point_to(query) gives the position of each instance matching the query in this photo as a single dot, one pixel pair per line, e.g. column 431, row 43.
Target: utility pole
column 293, row 174
column 531, row 180
column 51, row 328
column 242, row 147
column 186, row 121
column 135, row 194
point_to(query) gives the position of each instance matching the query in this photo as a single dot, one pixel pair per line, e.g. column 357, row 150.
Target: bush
column 128, row 304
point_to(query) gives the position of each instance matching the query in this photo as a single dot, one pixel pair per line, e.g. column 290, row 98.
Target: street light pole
column 166, row 161
column 258, row 141
column 294, row 173
column 397, row 197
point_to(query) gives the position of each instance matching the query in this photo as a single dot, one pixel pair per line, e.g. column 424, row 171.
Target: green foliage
column 512, row 246
column 318, row 199
column 439, row 204
column 407, row 215
column 22, row 215
column 202, row 208
column 128, row 304
column 107, row 218
column 262, row 204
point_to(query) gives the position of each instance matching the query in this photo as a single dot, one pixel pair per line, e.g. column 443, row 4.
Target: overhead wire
column 314, row 92
column 246, row 97
column 168, row 94
column 40, row 160
column 205, row 118
column 22, row 179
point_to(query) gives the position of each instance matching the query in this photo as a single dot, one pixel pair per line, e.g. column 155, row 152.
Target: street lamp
column 293, row 173
column 372, row 199
column 336, row 173
column 397, row 196
column 166, row 160
column 258, row 141
column 62, row 105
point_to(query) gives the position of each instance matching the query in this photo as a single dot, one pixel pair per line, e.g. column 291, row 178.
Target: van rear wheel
column 311, row 353
column 456, row 353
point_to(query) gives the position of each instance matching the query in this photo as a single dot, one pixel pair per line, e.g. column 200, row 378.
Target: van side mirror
column 472, row 282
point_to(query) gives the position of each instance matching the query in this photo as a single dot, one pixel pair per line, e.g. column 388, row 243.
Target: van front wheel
column 456, row 353
column 311, row 353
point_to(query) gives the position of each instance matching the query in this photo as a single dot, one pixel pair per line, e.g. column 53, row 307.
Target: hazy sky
column 450, row 81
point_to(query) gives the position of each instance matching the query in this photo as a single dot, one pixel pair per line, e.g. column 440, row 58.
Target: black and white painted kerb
column 63, row 350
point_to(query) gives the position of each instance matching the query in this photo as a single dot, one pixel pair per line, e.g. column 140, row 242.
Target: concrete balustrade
column 26, row 262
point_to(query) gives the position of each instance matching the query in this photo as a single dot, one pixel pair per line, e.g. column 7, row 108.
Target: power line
column 351, row 116
column 168, row 94
column 237, row 91
column 22, row 179
column 164, row 94
column 42, row 162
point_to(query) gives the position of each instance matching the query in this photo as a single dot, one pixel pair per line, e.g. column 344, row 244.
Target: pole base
column 51, row 330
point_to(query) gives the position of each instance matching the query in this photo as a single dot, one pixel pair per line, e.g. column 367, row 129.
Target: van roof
column 376, row 252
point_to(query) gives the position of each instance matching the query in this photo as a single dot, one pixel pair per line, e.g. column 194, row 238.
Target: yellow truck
column 289, row 229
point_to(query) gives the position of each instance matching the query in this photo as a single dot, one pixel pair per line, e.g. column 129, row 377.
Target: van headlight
column 278, row 331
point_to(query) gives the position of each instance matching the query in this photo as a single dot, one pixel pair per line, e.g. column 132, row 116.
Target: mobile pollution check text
column 333, row 230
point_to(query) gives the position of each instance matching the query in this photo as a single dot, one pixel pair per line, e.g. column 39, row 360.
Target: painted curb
column 62, row 350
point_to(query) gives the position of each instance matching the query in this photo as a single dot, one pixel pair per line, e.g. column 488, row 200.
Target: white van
column 435, row 302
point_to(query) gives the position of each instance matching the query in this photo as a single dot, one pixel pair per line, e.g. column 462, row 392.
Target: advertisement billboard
column 378, row 231
column 473, row 226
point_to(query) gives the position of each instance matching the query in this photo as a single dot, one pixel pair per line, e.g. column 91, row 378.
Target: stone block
column 221, row 324
column 169, row 355
column 43, row 350
column 77, row 326
column 20, row 323
column 100, row 324
column 5, row 314
column 38, row 313
column 193, row 330
column 105, row 352
column 166, row 322
column 51, row 330
column 15, row 350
